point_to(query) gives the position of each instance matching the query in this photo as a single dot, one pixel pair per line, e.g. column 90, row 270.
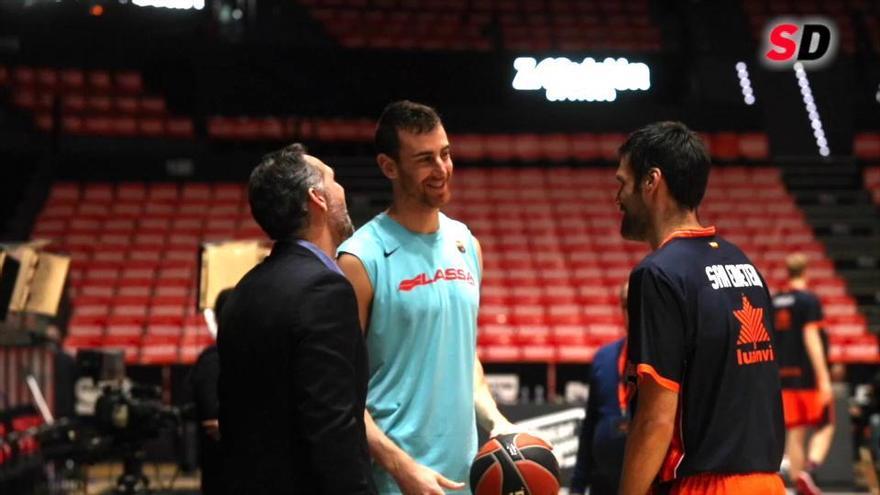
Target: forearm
column 488, row 415
column 813, row 343
column 646, row 448
column 383, row 450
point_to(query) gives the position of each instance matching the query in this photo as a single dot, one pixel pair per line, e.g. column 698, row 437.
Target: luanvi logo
column 812, row 41
column 752, row 335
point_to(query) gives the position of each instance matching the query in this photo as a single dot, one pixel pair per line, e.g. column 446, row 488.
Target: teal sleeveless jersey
column 421, row 340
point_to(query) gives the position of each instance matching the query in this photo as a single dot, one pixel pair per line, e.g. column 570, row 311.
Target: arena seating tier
column 471, row 25
column 93, row 103
column 554, row 259
column 134, row 249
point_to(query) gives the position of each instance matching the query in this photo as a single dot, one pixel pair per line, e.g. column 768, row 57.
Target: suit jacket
column 293, row 380
column 600, row 451
column 203, row 381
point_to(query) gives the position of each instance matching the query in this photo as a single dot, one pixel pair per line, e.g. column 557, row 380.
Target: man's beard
column 340, row 223
column 420, row 193
column 634, row 226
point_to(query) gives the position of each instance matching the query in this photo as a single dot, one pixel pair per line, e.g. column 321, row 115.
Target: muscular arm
column 488, row 415
column 383, row 450
column 813, row 344
column 363, row 289
column 411, row 476
column 649, row 436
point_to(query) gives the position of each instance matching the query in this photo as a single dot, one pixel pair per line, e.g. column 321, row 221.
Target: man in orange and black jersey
column 701, row 350
column 806, row 382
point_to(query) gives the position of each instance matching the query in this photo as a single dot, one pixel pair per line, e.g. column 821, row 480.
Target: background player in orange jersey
column 806, row 381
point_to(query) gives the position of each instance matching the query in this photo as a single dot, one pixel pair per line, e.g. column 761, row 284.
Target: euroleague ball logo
column 810, row 41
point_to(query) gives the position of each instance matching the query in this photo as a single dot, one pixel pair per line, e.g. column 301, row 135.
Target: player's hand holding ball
column 515, row 463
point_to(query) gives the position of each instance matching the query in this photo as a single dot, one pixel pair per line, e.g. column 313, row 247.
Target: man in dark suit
column 603, row 434
column 293, row 365
column 203, row 382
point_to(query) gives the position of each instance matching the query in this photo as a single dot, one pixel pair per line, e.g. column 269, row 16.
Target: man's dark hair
column 278, row 191
column 679, row 154
column 403, row 115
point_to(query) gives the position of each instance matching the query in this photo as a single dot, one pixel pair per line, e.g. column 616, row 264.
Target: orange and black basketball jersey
column 794, row 311
column 700, row 324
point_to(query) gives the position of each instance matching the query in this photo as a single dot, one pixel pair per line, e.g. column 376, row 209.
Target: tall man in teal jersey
column 416, row 275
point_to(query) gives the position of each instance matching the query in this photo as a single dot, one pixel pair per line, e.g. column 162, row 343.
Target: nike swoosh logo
column 389, row 253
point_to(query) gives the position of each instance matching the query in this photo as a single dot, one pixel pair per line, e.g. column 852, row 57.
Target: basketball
column 515, row 464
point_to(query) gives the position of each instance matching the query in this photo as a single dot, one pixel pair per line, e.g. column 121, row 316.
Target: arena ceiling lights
column 172, row 4
column 589, row 80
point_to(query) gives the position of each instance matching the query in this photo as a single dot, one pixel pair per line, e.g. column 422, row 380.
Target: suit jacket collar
column 303, row 246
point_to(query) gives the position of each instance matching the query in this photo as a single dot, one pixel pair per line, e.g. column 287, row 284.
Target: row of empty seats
column 607, row 7
column 93, row 103
column 134, row 268
column 472, row 25
column 586, row 146
column 554, row 259
column 127, row 127
column 114, row 106
column 282, row 128
column 75, row 81
column 475, row 147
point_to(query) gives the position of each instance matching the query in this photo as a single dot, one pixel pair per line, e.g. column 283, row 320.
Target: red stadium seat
column 179, row 127
column 72, row 79
column 499, row 147
column 564, row 314
column 24, row 76
column 754, row 146
column 493, row 314
column 537, row 354
column 532, row 334
column 151, row 127
column 867, row 146
column 128, row 82
column 609, row 144
column 152, row 105
column 499, row 354
column 522, row 314
column 585, row 147
column 556, row 147
column 582, row 353
column 527, row 147
column 99, row 81
column 495, row 334
column 725, row 146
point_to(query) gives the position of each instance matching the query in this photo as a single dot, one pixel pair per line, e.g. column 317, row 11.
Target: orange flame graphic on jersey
column 752, row 330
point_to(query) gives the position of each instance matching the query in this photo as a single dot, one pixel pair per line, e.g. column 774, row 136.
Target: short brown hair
column 403, row 115
column 796, row 263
